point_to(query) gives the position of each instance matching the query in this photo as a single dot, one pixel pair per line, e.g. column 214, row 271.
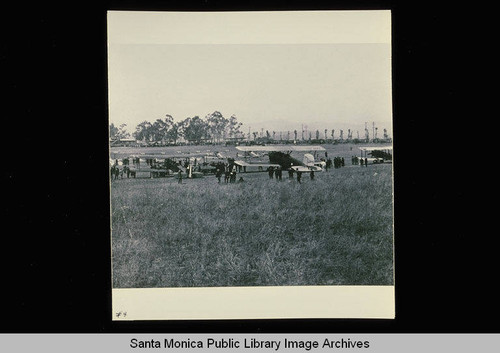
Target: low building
column 123, row 142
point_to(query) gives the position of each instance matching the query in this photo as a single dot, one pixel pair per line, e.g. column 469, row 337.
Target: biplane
column 379, row 154
column 280, row 156
column 191, row 165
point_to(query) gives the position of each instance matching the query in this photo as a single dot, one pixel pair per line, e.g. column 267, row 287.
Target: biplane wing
column 280, row 156
column 166, row 156
column 301, row 168
column 384, row 154
column 370, row 149
column 286, row 149
column 255, row 167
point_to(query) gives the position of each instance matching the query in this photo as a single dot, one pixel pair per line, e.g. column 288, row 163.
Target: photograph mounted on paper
column 250, row 151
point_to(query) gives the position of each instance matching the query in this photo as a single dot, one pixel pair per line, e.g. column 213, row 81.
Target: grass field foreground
column 334, row 230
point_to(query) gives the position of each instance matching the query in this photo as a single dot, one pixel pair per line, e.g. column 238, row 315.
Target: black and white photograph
column 251, row 157
column 219, row 172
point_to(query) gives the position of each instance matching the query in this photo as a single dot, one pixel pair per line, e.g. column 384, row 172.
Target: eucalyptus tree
column 216, row 125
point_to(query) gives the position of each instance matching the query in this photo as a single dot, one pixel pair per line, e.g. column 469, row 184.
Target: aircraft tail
column 308, row 159
column 283, row 159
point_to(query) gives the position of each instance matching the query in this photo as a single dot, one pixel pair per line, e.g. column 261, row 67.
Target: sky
column 280, row 85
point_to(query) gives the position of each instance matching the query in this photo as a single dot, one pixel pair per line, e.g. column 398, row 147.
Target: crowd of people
column 277, row 173
column 119, row 173
column 338, row 162
column 229, row 170
column 361, row 161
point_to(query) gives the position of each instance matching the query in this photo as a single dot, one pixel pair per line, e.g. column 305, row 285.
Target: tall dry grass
column 334, row 230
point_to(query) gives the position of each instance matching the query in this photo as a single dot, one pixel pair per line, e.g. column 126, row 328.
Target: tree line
column 213, row 128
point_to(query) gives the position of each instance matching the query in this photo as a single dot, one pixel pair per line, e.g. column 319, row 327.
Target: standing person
column 290, row 173
column 227, row 174
column 270, row 170
column 218, row 174
column 366, row 162
column 328, row 164
column 276, row 173
column 280, row 173
column 179, row 175
column 361, row 162
column 312, row 174
column 299, row 176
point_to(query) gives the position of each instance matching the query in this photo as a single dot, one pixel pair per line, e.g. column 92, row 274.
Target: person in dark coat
column 312, row 174
column 299, row 176
column 290, row 173
column 366, row 162
column 179, row 175
column 270, row 170
column 218, row 174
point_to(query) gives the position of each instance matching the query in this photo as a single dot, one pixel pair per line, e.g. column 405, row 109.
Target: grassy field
column 339, row 150
column 334, row 230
